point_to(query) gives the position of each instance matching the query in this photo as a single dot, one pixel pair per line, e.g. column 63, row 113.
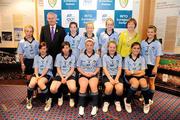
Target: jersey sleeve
column 82, row 44
column 120, row 61
column 73, row 61
column 100, row 40
column 143, row 63
column 96, row 46
column 117, row 38
column 99, row 64
column 50, row 63
column 20, row 48
column 104, row 61
column 159, row 49
column 37, row 47
column 57, row 61
column 125, row 63
column 35, row 64
column 79, row 61
column 142, row 48
column 66, row 38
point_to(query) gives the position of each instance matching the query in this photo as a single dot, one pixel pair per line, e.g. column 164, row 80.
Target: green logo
column 52, row 3
column 123, row 3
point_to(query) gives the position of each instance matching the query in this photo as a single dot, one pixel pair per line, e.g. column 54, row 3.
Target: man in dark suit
column 53, row 35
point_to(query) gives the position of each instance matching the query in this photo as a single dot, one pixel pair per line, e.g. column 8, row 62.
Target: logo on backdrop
column 123, row 3
column 52, row 3
column 87, row 2
column 83, row 11
column 69, row 18
column 104, row 17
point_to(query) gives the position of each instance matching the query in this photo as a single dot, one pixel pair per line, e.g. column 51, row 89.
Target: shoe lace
column 146, row 106
column 117, row 103
column 48, row 103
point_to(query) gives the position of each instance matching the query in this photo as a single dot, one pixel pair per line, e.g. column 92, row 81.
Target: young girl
column 74, row 39
column 43, row 64
column 134, row 66
column 151, row 50
column 65, row 63
column 89, row 34
column 128, row 37
column 27, row 50
column 107, row 35
column 88, row 65
column 112, row 64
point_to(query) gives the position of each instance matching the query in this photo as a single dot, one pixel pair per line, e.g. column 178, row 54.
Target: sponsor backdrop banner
column 97, row 11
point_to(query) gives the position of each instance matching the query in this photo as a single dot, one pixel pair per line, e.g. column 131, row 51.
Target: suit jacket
column 54, row 46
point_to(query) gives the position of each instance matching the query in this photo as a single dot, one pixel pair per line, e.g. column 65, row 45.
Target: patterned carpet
column 12, row 107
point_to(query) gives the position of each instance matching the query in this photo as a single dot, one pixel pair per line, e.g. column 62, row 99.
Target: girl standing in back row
column 74, row 39
column 151, row 50
column 27, row 50
column 89, row 35
column 107, row 35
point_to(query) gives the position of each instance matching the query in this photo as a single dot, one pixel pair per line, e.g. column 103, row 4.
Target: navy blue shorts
column 48, row 77
column 105, row 79
column 88, row 77
column 130, row 77
column 29, row 66
column 149, row 71
column 58, row 78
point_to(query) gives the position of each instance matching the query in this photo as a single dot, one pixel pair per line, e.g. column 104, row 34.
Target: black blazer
column 54, row 46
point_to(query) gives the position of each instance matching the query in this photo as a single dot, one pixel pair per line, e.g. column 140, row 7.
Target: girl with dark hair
column 74, row 39
column 43, row 65
column 134, row 66
column 65, row 63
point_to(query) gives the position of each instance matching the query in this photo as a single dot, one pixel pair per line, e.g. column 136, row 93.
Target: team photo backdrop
column 97, row 11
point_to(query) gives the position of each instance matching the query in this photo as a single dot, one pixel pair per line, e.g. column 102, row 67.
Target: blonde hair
column 113, row 42
column 28, row 26
column 89, row 23
column 154, row 28
column 109, row 19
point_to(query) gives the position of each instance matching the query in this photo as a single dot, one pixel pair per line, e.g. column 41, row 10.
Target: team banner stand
column 97, row 11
